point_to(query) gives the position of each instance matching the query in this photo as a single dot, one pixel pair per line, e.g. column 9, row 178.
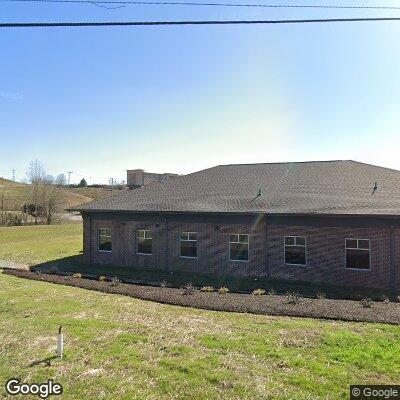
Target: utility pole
column 69, row 177
column 13, row 175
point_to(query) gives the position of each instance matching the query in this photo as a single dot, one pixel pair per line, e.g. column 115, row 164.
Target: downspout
column 90, row 239
column 266, row 269
column 393, row 285
column 166, row 243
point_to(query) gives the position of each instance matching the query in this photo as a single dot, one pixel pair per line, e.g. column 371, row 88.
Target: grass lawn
column 36, row 244
column 122, row 348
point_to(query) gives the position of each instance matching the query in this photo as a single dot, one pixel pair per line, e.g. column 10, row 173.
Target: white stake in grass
column 60, row 343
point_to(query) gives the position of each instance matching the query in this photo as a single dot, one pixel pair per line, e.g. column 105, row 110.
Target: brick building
column 324, row 222
column 137, row 178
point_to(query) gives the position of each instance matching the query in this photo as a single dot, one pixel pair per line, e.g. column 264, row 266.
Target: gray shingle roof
column 318, row 187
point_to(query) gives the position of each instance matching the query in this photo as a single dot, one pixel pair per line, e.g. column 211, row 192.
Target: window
column 239, row 247
column 358, row 253
column 188, row 244
column 145, row 241
column 105, row 239
column 295, row 250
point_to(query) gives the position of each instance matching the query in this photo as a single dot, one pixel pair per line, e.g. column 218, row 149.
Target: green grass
column 36, row 244
column 117, row 347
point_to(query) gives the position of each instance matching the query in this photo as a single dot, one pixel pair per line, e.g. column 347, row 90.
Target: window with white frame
column 188, row 245
column 295, row 250
column 144, row 241
column 239, row 247
column 358, row 254
column 104, row 239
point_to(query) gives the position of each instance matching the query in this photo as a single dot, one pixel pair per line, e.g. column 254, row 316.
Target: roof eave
column 88, row 211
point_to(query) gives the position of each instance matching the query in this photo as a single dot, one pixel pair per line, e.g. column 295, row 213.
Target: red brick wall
column 326, row 255
column 325, row 250
column 212, row 247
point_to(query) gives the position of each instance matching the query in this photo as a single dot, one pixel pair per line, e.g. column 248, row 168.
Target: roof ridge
column 287, row 162
column 374, row 165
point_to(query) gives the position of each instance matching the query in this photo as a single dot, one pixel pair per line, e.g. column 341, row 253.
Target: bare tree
column 61, row 180
column 51, row 194
column 3, row 208
column 35, row 176
column 46, row 192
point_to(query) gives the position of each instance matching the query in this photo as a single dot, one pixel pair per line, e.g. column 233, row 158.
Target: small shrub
column 223, row 290
column 321, row 295
column 102, row 278
column 164, row 284
column 271, row 291
column 293, row 298
column 77, row 275
column 384, row 299
column 1, row 270
column 188, row 289
column 366, row 302
column 208, row 289
column 115, row 281
column 258, row 292
column 398, row 299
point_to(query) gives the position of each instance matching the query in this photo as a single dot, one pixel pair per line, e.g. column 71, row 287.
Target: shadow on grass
column 152, row 277
column 46, row 362
column 66, row 264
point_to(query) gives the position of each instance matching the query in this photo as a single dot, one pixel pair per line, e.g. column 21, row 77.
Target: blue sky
column 98, row 101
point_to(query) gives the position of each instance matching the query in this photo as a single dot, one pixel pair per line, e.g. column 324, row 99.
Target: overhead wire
column 192, row 22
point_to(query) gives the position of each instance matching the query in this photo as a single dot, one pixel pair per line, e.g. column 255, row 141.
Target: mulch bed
column 345, row 310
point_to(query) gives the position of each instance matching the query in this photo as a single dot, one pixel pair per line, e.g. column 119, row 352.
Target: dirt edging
column 344, row 310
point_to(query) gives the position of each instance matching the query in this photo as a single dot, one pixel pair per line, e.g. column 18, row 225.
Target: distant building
column 137, row 178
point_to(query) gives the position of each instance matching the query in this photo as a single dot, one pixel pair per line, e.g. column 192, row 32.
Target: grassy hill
column 95, row 193
column 16, row 194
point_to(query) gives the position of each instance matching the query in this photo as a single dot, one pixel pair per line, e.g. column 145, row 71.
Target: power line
column 213, row 4
column 199, row 22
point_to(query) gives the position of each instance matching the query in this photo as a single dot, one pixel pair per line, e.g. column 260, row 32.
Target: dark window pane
column 192, row 236
column 300, row 241
column 295, row 255
column 239, row 251
column 233, row 238
column 104, row 231
column 351, row 243
column 141, row 234
column 104, row 243
column 184, row 236
column 363, row 244
column 145, row 246
column 289, row 240
column 243, row 238
column 357, row 259
column 188, row 249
